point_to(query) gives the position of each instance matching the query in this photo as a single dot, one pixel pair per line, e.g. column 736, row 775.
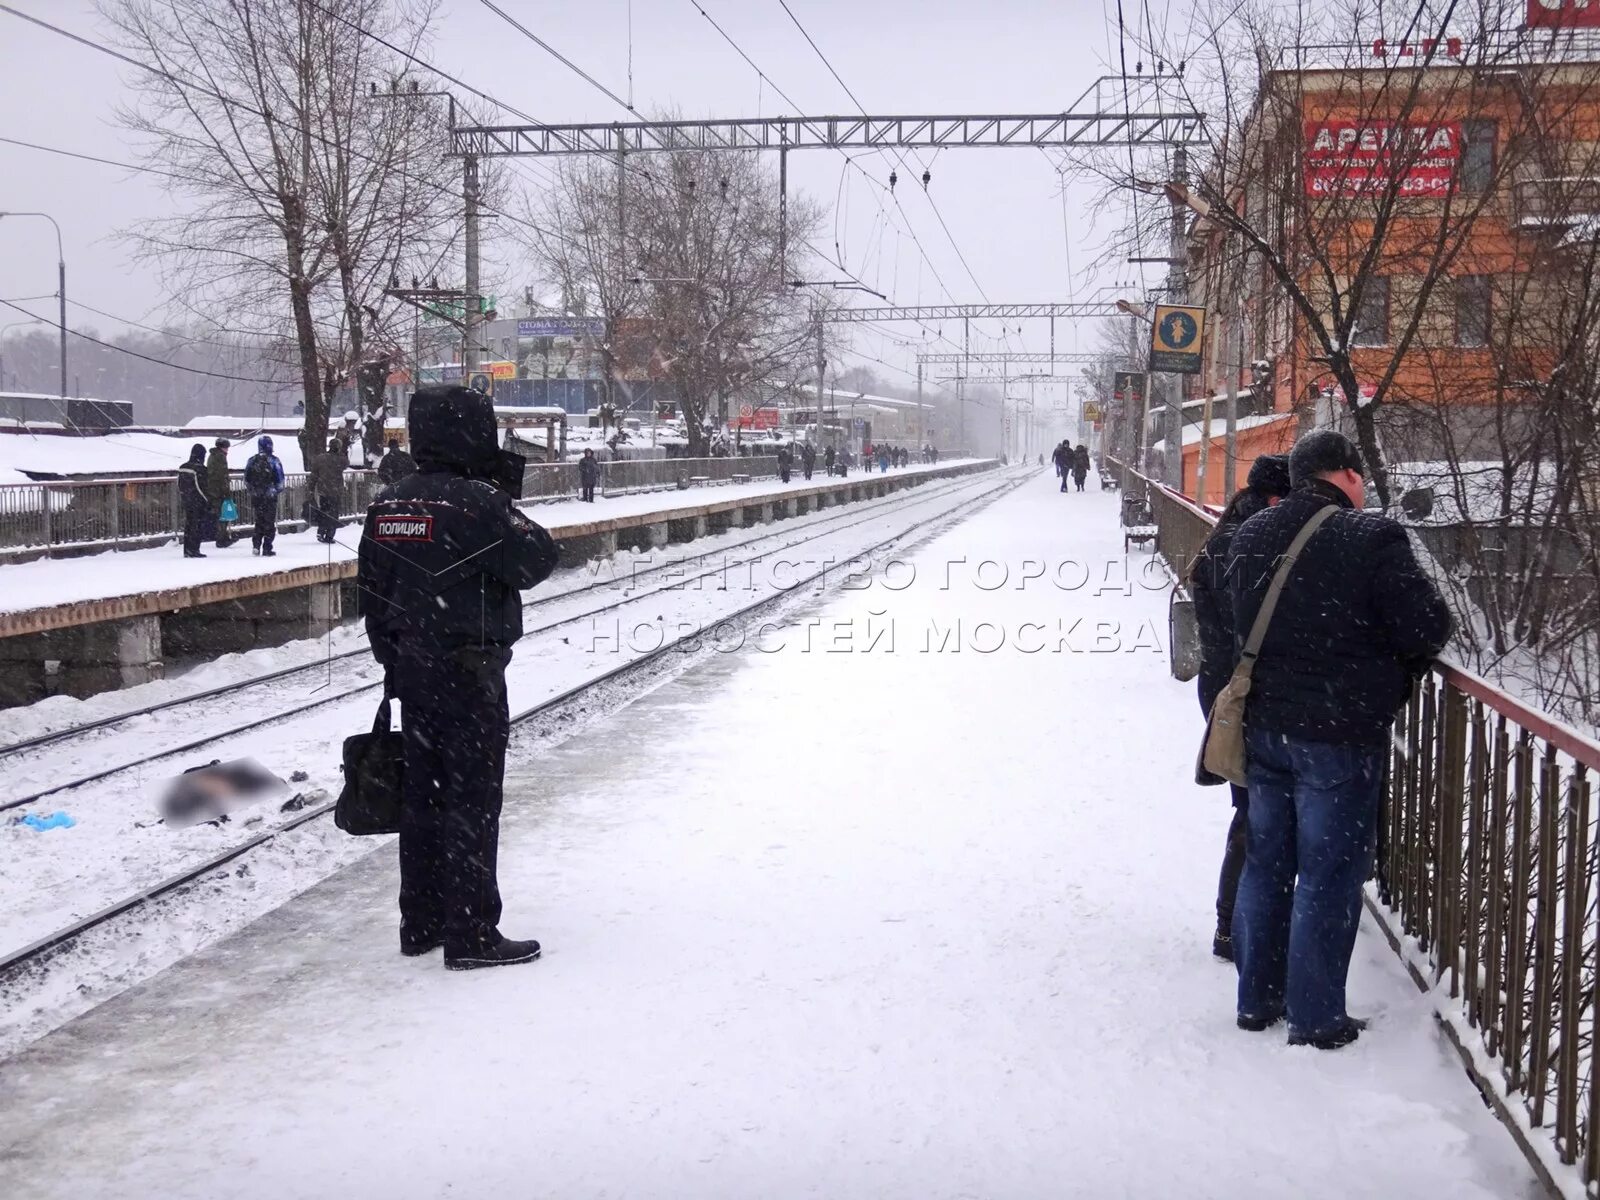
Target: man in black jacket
column 444, row 555
column 1357, row 620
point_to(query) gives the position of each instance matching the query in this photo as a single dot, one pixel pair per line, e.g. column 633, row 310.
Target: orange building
column 1420, row 210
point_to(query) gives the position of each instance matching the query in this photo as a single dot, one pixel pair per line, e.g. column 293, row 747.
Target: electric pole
column 471, row 356
column 1177, row 293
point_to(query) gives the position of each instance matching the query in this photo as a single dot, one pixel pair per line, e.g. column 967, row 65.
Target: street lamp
column 61, row 289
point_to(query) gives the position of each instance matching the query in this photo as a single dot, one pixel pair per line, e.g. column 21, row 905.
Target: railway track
column 813, row 529
column 32, row 960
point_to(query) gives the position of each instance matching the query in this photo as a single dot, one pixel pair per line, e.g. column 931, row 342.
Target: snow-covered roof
column 130, row 454
column 1219, row 427
column 1467, row 491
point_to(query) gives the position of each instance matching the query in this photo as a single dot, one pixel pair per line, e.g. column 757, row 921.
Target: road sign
column 482, row 381
column 1177, row 336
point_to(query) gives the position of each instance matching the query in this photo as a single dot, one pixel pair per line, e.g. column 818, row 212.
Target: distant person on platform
column 828, row 457
column 263, row 479
column 588, row 476
column 785, row 463
column 1080, row 465
column 808, row 459
column 218, row 487
column 327, row 481
column 196, row 501
column 395, row 465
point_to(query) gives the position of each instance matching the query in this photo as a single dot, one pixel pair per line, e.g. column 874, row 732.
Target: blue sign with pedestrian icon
column 1177, row 339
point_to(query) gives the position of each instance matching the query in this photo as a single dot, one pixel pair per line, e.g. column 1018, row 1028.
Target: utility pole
column 1231, row 411
column 921, row 437
column 961, row 380
column 1177, row 293
column 1005, row 386
column 822, row 363
column 471, row 356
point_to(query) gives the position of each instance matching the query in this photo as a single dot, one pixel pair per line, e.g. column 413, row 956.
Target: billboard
column 759, row 418
column 1177, row 339
column 537, row 327
column 1563, row 14
column 1359, row 158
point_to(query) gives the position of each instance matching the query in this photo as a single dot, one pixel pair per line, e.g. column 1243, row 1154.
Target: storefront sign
column 761, row 418
column 1353, row 158
column 1564, row 14
column 1427, row 48
column 537, row 327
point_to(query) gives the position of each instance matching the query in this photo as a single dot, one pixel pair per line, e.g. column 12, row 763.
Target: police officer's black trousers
column 456, row 724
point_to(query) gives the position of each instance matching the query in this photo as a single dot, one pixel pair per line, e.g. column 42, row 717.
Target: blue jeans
column 1313, row 815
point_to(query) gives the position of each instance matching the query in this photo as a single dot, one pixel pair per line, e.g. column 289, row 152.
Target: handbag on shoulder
column 1222, row 749
column 374, row 771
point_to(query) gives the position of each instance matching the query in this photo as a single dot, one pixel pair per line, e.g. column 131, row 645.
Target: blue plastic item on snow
column 56, row 820
column 230, row 511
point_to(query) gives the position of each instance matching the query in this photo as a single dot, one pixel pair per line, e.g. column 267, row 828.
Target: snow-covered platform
column 51, row 594
column 954, row 945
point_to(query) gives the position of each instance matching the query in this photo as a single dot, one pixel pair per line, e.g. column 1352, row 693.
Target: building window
column 1473, row 301
column 1372, row 314
column 1477, row 155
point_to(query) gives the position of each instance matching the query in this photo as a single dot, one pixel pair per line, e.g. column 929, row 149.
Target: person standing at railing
column 588, row 476
column 1268, row 483
column 1357, row 621
column 327, row 482
column 263, row 479
column 219, row 487
column 829, row 454
column 196, row 502
column 808, row 459
column 395, row 465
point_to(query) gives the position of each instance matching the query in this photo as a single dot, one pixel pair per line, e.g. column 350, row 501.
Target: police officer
column 443, row 557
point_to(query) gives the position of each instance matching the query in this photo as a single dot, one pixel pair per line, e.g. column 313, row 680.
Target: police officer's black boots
column 502, row 953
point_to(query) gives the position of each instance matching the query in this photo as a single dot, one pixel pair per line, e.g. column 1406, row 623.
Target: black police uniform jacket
column 1357, row 620
column 443, row 558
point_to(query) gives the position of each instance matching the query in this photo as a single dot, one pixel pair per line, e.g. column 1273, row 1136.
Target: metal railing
column 650, row 474
column 1487, row 872
column 127, row 512
column 130, row 511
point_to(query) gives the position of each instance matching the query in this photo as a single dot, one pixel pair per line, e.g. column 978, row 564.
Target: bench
column 699, row 480
column 1108, row 483
column 1138, row 535
column 739, row 478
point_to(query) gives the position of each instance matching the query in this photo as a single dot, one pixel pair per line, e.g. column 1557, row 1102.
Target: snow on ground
column 46, row 582
column 118, row 848
column 831, row 920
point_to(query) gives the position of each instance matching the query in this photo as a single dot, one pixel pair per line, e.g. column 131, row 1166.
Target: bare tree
column 686, row 248
column 1352, row 163
column 298, row 193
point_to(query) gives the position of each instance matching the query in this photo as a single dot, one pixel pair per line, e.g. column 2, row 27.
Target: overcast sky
column 1004, row 208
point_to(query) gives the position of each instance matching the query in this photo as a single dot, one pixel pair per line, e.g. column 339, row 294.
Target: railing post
column 1447, row 841
column 1495, row 922
column 1517, row 917
column 1574, row 912
column 1545, row 900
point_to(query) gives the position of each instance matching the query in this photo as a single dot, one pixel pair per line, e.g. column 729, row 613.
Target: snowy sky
column 1003, row 208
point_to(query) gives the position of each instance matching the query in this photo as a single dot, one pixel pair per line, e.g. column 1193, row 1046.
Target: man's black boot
column 502, row 953
column 1339, row 1036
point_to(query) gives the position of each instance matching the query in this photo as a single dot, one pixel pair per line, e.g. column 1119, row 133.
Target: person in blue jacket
column 263, row 479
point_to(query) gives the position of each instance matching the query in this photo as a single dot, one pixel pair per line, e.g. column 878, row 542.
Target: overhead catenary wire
column 148, row 357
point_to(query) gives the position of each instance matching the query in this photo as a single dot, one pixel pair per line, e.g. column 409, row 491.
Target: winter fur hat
column 1269, row 475
column 1322, row 450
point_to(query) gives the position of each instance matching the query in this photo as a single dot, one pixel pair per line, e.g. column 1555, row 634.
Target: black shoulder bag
column 374, row 770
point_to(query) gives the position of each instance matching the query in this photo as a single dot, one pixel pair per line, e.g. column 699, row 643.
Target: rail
column 1487, row 880
column 131, row 512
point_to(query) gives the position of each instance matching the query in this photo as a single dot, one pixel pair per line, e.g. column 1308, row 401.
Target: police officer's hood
column 453, row 429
